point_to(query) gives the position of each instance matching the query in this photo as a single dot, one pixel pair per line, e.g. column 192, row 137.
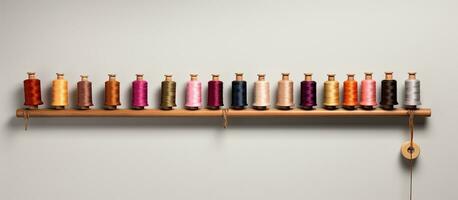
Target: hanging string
column 261, row 93
column 285, row 93
column 411, row 151
column 59, row 92
column 239, row 92
column 193, row 93
column 32, row 91
column 168, row 93
column 139, row 93
column 112, row 87
column 331, row 93
column 308, row 92
column 412, row 92
column 368, row 92
column 215, row 93
column 84, row 96
column 350, row 98
column 389, row 97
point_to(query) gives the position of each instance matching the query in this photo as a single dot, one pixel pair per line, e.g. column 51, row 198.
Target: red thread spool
column 32, row 91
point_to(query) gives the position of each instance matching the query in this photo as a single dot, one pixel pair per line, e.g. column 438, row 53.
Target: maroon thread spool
column 215, row 93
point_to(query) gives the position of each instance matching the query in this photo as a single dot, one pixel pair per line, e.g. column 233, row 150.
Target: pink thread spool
column 139, row 93
column 193, row 93
column 368, row 92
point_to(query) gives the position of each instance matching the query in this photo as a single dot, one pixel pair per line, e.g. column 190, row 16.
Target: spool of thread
column 239, row 92
column 193, row 93
column 308, row 92
column 285, row 99
column 84, row 96
column 168, row 93
column 331, row 93
column 412, row 92
column 32, row 91
column 139, row 93
column 261, row 93
column 368, row 92
column 112, row 92
column 350, row 98
column 215, row 93
column 59, row 92
column 389, row 92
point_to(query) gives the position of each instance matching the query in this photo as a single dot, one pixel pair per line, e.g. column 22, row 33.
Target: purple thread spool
column 215, row 93
column 139, row 93
column 308, row 92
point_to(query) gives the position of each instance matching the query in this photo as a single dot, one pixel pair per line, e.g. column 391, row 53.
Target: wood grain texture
column 20, row 113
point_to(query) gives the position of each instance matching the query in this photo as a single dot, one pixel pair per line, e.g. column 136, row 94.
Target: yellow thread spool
column 59, row 92
column 331, row 93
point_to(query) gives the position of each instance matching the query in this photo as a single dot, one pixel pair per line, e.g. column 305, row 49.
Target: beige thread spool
column 285, row 94
column 261, row 93
column 331, row 93
column 59, row 103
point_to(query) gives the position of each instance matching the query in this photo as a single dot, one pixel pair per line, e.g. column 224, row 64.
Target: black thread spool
column 239, row 92
column 168, row 93
column 388, row 92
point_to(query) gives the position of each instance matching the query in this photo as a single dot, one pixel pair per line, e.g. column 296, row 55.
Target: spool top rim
column 111, row 75
column 31, row 73
column 331, row 75
column 215, row 75
column 261, row 75
column 308, row 74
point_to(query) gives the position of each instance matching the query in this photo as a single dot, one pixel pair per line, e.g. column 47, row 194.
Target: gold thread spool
column 367, row 76
column 59, row 92
column 168, row 93
column 261, row 93
column 285, row 93
column 331, row 93
column 112, row 98
column 84, row 78
column 350, row 78
column 31, row 75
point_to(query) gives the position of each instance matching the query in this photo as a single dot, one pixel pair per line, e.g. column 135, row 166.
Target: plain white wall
column 270, row 159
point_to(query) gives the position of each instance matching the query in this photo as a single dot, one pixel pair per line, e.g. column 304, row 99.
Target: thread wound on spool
column 193, row 93
column 412, row 93
column 59, row 91
column 168, row 93
column 32, row 92
column 308, row 94
column 112, row 92
column 239, row 94
column 84, row 96
column 368, row 92
column 139, row 93
column 331, row 91
column 215, row 93
column 261, row 92
column 350, row 97
column 389, row 93
column 285, row 92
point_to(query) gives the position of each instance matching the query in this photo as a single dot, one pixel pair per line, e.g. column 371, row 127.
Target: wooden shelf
column 20, row 113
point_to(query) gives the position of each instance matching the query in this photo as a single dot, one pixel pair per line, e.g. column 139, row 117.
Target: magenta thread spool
column 139, row 93
column 215, row 93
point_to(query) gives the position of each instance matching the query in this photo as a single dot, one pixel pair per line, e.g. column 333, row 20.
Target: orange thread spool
column 112, row 87
column 350, row 98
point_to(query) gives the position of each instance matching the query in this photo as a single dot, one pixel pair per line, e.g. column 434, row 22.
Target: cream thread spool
column 60, row 76
column 331, row 101
column 285, row 93
column 261, row 93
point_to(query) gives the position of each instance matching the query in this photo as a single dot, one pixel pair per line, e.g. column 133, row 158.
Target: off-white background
column 269, row 159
